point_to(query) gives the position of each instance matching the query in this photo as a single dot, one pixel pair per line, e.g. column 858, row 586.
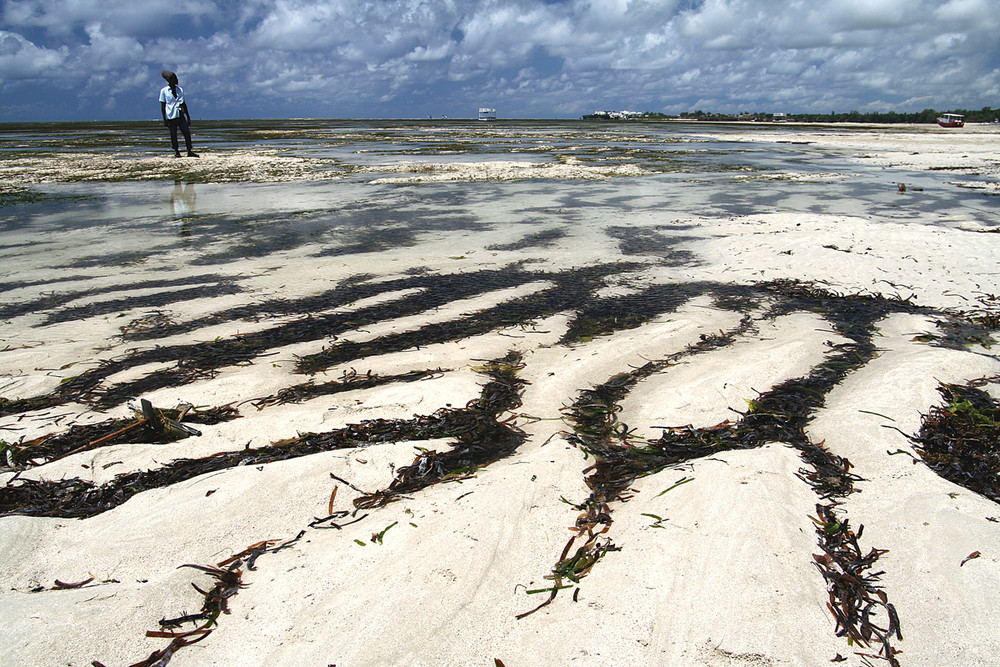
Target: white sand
column 725, row 578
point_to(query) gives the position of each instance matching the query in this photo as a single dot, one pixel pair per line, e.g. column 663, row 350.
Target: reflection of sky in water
column 78, row 224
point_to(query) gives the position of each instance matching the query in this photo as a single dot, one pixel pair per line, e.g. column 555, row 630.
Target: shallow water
column 691, row 171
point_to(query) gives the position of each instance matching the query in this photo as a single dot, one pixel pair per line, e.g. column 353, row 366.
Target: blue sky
column 101, row 59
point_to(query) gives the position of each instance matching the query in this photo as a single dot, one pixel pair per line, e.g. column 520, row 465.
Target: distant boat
column 487, row 113
column 951, row 120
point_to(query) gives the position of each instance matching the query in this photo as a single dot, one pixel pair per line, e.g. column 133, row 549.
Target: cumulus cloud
column 21, row 59
column 413, row 57
column 125, row 17
column 111, row 52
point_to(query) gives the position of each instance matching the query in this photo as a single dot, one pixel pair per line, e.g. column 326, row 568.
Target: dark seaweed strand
column 81, row 438
column 347, row 292
column 228, row 582
column 48, row 448
column 597, row 317
column 146, row 301
column 960, row 440
column 783, row 413
column 855, row 596
column 482, row 437
column 57, row 299
column 202, row 360
column 597, row 431
column 228, row 575
column 349, row 381
column 571, row 291
column 542, row 239
column 438, row 290
column 21, row 284
column 975, row 325
column 644, row 241
column 480, row 440
column 780, row 414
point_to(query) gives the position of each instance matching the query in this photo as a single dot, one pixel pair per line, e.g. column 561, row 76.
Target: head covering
column 169, row 76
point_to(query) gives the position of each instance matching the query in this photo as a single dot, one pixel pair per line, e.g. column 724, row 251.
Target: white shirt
column 173, row 102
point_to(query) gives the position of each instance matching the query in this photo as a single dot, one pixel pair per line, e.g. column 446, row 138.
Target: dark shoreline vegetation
column 485, row 430
column 927, row 116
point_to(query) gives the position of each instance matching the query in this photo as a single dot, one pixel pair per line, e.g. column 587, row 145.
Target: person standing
column 175, row 112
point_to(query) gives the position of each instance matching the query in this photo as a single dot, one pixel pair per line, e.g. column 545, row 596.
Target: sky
column 101, row 59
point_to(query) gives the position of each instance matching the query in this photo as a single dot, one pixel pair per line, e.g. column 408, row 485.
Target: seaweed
column 11, row 195
column 597, row 431
column 481, row 436
column 778, row 415
column 220, row 288
column 21, row 284
column 147, row 325
column 480, row 440
column 499, row 395
column 598, row 316
column 571, row 290
column 855, row 598
column 139, row 428
column 56, row 299
column 960, row 440
column 203, row 360
column 113, row 259
column 350, row 380
column 542, row 239
column 228, row 576
column 372, row 240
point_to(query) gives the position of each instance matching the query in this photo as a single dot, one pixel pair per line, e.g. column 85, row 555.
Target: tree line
column 984, row 115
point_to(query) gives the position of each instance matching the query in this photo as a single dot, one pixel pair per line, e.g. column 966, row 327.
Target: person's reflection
column 182, row 204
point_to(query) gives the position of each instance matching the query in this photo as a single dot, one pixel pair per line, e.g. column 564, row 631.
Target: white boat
column 951, row 120
column 486, row 113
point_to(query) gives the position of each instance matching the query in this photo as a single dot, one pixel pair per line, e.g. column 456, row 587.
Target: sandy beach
column 497, row 395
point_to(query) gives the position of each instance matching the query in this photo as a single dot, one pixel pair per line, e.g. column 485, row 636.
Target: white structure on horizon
column 487, row 113
column 618, row 115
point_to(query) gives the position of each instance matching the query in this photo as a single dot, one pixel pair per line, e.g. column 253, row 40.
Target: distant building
column 780, row 117
column 614, row 115
column 486, row 113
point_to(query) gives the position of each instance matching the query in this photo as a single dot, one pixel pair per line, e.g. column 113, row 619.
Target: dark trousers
column 181, row 122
